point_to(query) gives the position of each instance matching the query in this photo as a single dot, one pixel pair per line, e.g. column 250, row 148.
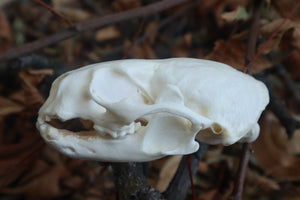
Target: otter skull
column 142, row 110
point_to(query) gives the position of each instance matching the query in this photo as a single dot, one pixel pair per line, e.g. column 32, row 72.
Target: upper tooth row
column 129, row 130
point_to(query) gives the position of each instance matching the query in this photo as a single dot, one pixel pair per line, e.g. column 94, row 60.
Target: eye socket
column 111, row 86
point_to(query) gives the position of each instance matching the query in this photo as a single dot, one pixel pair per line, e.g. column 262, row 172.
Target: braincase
column 215, row 90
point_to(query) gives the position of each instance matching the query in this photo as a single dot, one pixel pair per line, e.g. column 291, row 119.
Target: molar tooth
column 122, row 133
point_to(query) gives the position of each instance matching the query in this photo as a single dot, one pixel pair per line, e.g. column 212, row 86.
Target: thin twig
column 278, row 108
column 27, row 159
column 274, row 34
column 132, row 45
column 253, row 34
column 239, row 182
column 191, row 176
column 287, row 81
column 161, row 25
column 89, row 25
column 54, row 12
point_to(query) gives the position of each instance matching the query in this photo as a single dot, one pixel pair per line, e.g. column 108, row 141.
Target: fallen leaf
column 46, row 185
column 8, row 107
column 208, row 195
column 237, row 14
column 284, row 7
column 34, row 77
column 217, row 7
column 232, row 52
column 5, row 33
column 296, row 38
column 167, row 172
column 121, row 5
column 107, row 33
column 271, row 150
column 18, row 161
column 183, row 48
column 143, row 51
column 262, row 182
column 30, row 79
column 291, row 62
column 268, row 30
column 71, row 10
column 151, row 30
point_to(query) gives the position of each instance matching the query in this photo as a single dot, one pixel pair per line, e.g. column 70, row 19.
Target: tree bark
column 131, row 183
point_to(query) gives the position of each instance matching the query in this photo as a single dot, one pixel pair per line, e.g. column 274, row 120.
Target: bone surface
column 142, row 110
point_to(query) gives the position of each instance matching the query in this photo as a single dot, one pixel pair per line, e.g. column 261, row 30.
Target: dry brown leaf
column 34, row 77
column 210, row 195
column 151, row 30
column 8, row 107
column 182, row 49
column 16, row 162
column 73, row 182
column 107, row 33
column 30, row 79
column 11, row 150
column 22, row 143
column 75, row 14
column 231, row 16
column 167, row 172
column 217, row 7
column 292, row 64
column 296, row 38
column 272, row 153
column 268, row 29
column 5, row 33
column 143, row 51
column 232, row 52
column 284, row 7
column 267, row 184
column 71, row 9
column 46, row 185
column 121, row 5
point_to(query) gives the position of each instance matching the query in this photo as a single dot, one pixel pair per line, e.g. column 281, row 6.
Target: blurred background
column 209, row 29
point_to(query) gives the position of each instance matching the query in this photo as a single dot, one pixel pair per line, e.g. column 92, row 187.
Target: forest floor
column 209, row 29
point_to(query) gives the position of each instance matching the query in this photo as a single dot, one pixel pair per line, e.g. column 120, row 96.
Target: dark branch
column 287, row 81
column 278, row 108
column 131, row 183
column 164, row 22
column 181, row 181
column 88, row 25
column 253, row 35
column 240, row 179
column 54, row 12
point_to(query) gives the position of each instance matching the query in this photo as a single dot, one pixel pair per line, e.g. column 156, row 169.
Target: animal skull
column 142, row 110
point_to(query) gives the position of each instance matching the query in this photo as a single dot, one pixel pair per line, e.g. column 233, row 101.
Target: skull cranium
column 142, row 110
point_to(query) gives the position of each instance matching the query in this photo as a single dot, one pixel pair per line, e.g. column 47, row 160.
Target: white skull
column 178, row 98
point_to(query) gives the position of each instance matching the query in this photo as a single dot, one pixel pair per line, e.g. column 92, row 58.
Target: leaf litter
column 216, row 30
